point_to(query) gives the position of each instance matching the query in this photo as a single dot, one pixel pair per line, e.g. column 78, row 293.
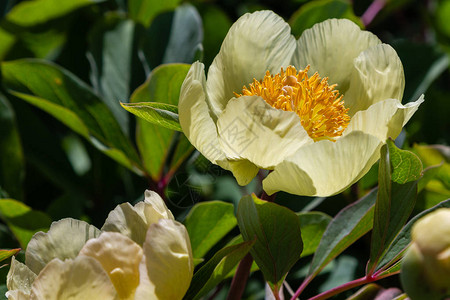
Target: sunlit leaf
column 158, row 102
column 317, row 11
column 4, row 254
column 22, row 220
column 278, row 238
column 216, row 269
column 64, row 96
column 207, row 223
column 397, row 192
column 30, row 13
column 143, row 11
column 313, row 225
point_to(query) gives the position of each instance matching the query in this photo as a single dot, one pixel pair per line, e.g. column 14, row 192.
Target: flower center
column 320, row 108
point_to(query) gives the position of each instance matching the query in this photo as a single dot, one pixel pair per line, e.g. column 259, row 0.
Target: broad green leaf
column 397, row 191
column 313, row 225
column 64, row 96
column 186, row 36
column 207, row 223
column 347, row 226
column 433, row 155
column 154, row 142
column 402, row 240
column 111, row 63
column 216, row 269
column 7, row 41
column 22, row 220
column 143, row 11
column 278, row 243
column 162, row 114
column 319, row 11
column 4, row 254
column 12, row 165
column 30, row 13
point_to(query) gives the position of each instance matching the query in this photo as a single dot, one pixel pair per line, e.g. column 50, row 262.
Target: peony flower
column 315, row 111
column 144, row 254
column 426, row 265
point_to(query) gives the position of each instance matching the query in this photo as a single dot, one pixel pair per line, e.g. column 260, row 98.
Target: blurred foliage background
column 68, row 149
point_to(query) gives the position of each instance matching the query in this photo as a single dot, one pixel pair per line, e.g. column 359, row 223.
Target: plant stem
column 372, row 11
column 240, row 278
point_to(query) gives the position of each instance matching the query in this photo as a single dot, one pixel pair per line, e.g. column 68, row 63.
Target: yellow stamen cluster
column 320, row 108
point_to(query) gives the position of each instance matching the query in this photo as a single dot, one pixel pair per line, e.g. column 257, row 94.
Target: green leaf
column 111, row 63
column 278, row 238
column 216, row 269
column 4, row 254
column 162, row 114
column 12, row 165
column 30, row 13
column 434, row 156
column 402, row 240
column 318, row 11
column 64, row 96
column 186, row 36
column 313, row 225
column 22, row 220
column 154, row 142
column 143, row 11
column 207, row 223
column 397, row 192
column 347, row 226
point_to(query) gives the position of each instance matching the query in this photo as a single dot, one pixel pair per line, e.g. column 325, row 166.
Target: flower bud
column 426, row 265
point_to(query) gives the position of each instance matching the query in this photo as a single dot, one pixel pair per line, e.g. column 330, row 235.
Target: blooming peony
column 315, row 111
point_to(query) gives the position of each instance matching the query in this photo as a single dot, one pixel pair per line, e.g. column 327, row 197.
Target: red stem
column 240, row 278
column 372, row 11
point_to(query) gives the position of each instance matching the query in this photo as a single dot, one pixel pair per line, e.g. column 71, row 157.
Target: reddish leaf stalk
column 240, row 278
column 344, row 287
column 372, row 11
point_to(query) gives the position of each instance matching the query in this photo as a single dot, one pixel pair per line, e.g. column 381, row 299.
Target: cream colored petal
column 330, row 48
column 19, row 277
column 146, row 288
column 243, row 170
column 79, row 279
column 377, row 76
column 120, row 258
column 159, row 209
column 169, row 261
column 64, row 240
column 251, row 129
column 128, row 221
column 325, row 168
column 17, row 295
column 383, row 119
column 195, row 118
column 255, row 43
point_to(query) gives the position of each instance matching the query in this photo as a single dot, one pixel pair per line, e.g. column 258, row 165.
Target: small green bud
column 426, row 266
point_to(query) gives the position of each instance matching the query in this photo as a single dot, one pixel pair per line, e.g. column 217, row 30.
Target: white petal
column 250, row 128
column 169, row 260
column 383, row 119
column 377, row 75
column 17, row 295
column 243, row 170
column 325, row 168
column 120, row 258
column 128, row 221
column 255, row 43
column 81, row 278
column 330, row 48
column 160, row 209
column 195, row 118
column 19, row 277
column 64, row 240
